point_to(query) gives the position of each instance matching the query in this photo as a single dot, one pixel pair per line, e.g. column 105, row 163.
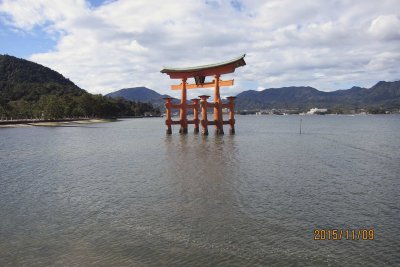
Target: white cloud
column 26, row 14
column 386, row 27
column 126, row 43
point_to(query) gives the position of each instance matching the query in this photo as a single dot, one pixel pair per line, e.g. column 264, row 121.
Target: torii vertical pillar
column 183, row 111
column 231, row 105
column 219, row 129
column 204, row 121
column 196, row 114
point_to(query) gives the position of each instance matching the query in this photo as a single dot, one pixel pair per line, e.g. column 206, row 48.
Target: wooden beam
column 175, row 105
column 204, row 85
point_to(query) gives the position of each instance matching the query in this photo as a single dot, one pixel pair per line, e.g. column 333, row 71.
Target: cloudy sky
column 105, row 45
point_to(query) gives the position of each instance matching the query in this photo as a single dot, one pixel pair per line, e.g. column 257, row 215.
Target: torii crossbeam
column 199, row 73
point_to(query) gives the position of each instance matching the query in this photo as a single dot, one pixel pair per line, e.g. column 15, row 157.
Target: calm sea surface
column 125, row 194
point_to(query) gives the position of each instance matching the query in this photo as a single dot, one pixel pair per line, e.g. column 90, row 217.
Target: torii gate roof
column 205, row 70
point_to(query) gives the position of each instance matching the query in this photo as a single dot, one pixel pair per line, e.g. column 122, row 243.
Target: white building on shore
column 317, row 111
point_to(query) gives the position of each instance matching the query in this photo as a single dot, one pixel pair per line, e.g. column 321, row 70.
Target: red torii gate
column 199, row 74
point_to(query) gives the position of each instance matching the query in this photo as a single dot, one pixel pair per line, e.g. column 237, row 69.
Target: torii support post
column 196, row 114
column 183, row 111
column 204, row 121
column 231, row 105
column 168, row 120
column 219, row 129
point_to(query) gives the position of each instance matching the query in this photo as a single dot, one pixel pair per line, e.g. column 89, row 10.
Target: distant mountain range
column 385, row 95
column 381, row 95
column 139, row 94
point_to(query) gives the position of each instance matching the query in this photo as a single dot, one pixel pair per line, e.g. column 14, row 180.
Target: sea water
column 125, row 194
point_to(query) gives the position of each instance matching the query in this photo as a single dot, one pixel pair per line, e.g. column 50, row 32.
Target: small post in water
column 300, row 125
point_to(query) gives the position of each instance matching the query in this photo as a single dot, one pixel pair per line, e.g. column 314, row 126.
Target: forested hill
column 21, row 79
column 30, row 90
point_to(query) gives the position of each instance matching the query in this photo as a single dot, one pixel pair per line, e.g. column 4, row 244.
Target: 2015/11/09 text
column 344, row 234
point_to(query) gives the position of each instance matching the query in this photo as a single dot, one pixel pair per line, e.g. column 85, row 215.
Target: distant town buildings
column 276, row 112
column 318, row 111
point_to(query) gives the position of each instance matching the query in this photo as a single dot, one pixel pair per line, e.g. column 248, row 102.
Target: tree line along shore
column 53, row 107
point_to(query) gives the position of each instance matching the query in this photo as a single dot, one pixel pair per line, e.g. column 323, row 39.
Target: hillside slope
column 21, row 79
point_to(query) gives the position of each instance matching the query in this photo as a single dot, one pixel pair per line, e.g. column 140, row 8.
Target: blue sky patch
column 237, row 4
column 23, row 44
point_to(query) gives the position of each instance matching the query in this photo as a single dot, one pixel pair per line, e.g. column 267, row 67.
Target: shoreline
column 53, row 123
